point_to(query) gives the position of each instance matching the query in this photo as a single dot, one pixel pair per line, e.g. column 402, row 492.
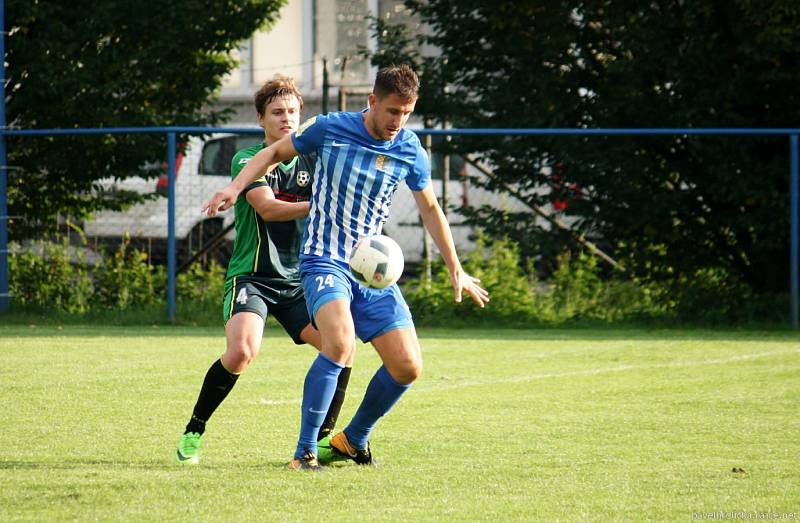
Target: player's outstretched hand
column 463, row 282
column 222, row 200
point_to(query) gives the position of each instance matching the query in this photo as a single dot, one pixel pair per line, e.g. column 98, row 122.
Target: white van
column 204, row 168
column 201, row 170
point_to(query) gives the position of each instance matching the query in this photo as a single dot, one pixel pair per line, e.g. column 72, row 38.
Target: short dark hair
column 399, row 79
column 279, row 86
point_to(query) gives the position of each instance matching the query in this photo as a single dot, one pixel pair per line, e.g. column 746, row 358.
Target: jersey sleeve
column 238, row 162
column 420, row 174
column 310, row 134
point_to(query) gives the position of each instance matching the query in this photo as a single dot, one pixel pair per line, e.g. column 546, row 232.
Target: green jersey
column 270, row 251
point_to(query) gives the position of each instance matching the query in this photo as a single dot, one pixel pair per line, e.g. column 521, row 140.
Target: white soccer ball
column 376, row 261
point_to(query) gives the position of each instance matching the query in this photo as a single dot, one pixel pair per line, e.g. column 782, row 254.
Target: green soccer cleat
column 189, row 448
column 326, row 454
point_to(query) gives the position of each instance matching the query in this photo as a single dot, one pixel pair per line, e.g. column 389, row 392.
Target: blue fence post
column 794, row 240
column 171, row 149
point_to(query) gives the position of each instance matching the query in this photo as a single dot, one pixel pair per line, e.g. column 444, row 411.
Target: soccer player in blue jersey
column 263, row 275
column 361, row 159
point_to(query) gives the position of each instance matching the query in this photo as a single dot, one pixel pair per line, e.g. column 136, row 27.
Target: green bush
column 201, row 285
column 51, row 276
column 496, row 264
column 199, row 294
column 713, row 296
column 48, row 278
column 576, row 289
column 576, row 292
column 125, row 279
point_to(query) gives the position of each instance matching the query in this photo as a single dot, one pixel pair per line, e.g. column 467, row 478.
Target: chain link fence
column 204, row 167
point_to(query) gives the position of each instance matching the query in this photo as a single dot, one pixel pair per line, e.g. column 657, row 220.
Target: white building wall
column 306, row 32
column 281, row 50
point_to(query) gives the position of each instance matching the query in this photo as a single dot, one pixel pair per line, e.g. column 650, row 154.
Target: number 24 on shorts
column 324, row 281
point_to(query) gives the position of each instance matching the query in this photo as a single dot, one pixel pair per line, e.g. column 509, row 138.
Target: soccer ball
column 376, row 261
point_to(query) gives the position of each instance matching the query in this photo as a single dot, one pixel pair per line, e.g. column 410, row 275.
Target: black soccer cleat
column 341, row 445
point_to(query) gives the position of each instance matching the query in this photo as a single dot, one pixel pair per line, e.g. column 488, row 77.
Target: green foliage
column 51, row 276
column 576, row 286
column 199, row 294
column 201, row 284
column 496, row 264
column 715, row 296
column 674, row 206
column 125, row 279
column 61, row 282
column 103, row 64
column 121, row 287
column 576, row 292
column 579, row 292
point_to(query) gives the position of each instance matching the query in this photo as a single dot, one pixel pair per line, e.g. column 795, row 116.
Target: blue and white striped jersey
column 354, row 180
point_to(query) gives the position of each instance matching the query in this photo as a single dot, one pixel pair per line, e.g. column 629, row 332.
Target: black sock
column 216, row 386
column 336, row 404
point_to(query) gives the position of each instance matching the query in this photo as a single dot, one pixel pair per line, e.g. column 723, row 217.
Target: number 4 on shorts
column 242, row 297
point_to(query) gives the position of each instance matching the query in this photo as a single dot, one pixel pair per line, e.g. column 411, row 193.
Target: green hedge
column 580, row 293
column 122, row 286
column 58, row 280
column 574, row 293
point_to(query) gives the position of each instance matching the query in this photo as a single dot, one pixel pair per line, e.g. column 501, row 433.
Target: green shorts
column 250, row 294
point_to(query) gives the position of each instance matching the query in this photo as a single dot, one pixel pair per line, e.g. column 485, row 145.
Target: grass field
column 504, row 425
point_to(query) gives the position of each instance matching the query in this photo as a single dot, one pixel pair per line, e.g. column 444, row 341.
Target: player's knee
column 338, row 344
column 338, row 350
column 239, row 356
column 407, row 372
column 415, row 370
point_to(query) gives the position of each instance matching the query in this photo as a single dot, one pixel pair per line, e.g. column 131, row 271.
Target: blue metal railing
column 171, row 133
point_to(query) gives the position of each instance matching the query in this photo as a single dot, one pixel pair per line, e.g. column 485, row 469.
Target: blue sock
column 318, row 390
column 382, row 393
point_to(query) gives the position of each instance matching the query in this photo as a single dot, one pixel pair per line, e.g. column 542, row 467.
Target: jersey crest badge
column 303, row 178
column 380, row 162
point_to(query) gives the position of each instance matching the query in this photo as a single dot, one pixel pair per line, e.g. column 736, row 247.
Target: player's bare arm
column 271, row 209
column 435, row 222
column 258, row 166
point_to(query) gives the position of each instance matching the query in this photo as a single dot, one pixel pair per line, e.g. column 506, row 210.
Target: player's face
column 281, row 117
column 388, row 115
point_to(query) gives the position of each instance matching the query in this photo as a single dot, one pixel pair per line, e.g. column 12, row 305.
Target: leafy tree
column 669, row 206
column 104, row 64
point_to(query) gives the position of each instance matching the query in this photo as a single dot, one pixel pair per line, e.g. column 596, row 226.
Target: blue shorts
column 375, row 311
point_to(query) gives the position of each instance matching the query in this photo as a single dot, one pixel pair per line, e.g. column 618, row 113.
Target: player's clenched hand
column 463, row 282
column 221, row 201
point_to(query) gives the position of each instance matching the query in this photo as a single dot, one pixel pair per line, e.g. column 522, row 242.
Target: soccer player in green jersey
column 263, row 275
